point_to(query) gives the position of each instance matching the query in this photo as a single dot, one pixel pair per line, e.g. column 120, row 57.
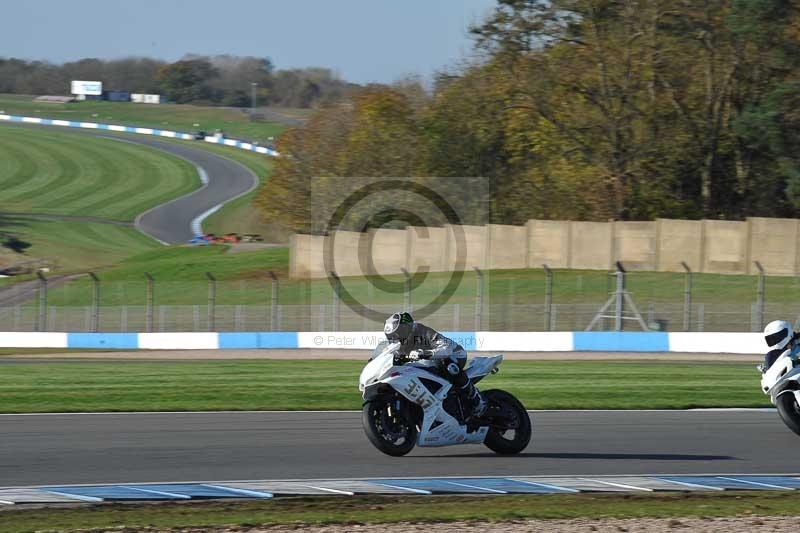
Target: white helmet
column 778, row 334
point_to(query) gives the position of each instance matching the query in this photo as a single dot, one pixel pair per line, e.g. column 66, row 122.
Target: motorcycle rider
column 780, row 336
column 427, row 347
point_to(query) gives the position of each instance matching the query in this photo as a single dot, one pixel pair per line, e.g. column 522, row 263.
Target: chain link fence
column 330, row 317
column 528, row 301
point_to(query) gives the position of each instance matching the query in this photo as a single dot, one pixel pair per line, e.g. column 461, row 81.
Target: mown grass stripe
column 62, row 173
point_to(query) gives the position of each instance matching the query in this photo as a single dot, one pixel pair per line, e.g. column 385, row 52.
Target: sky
column 362, row 40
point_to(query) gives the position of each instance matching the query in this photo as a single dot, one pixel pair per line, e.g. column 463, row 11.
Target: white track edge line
column 689, row 484
column 756, row 483
column 598, row 478
column 618, row 485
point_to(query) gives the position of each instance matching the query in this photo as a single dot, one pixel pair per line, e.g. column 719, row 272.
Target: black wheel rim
column 509, row 431
column 390, row 425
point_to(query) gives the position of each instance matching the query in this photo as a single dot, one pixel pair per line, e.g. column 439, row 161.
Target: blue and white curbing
column 242, row 145
column 142, row 131
column 486, row 341
column 394, row 486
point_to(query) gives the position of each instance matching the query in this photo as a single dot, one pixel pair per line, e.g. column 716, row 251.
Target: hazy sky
column 364, row 40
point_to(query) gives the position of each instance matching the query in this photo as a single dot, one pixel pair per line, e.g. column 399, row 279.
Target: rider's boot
column 472, row 400
column 476, row 404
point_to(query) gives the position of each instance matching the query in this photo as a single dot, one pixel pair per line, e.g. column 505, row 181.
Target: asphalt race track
column 227, row 179
column 117, row 448
column 171, row 222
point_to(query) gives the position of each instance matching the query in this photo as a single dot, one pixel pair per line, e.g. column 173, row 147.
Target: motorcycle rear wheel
column 499, row 440
column 789, row 411
column 387, row 428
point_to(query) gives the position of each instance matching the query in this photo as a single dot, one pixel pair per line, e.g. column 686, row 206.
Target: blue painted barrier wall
column 488, row 341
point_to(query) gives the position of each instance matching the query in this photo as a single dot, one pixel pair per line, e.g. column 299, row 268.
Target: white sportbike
column 781, row 381
column 407, row 405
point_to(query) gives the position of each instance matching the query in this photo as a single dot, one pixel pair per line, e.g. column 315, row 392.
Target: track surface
column 171, row 222
column 113, row 448
column 227, row 179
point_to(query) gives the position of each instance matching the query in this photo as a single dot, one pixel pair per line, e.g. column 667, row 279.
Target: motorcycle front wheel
column 789, row 411
column 511, row 428
column 388, row 427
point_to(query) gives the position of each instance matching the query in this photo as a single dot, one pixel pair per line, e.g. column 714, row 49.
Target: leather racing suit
column 434, row 350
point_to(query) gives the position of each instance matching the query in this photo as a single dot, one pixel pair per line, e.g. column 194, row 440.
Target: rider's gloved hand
column 419, row 354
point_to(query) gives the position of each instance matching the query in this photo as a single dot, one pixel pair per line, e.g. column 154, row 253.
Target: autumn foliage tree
column 596, row 110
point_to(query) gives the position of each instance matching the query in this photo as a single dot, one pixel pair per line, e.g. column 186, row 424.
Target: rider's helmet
column 398, row 327
column 778, row 334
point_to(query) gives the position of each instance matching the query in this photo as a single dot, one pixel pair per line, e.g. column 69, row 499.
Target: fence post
column 620, row 293
column 701, row 318
column 336, row 291
column 273, row 306
column 548, row 298
column 761, row 282
column 406, row 291
column 687, row 298
column 41, row 321
column 149, row 303
column 479, row 300
column 95, row 323
column 212, row 300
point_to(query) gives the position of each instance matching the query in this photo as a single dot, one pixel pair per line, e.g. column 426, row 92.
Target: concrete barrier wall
column 548, row 243
column 505, row 243
column 306, row 256
column 427, row 249
column 591, row 245
column 679, row 241
column 636, row 245
column 773, row 243
column 490, row 341
column 725, row 247
column 711, row 246
column 389, row 250
column 348, row 252
column 466, row 244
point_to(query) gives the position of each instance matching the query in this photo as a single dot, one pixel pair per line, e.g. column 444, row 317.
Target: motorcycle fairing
column 438, row 427
column 783, row 370
column 480, row 367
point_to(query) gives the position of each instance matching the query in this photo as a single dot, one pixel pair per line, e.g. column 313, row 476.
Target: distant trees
column 222, row 79
column 188, row 80
column 592, row 109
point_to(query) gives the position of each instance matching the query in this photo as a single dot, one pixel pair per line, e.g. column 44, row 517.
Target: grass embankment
column 331, row 385
column 296, row 512
column 45, row 172
column 53, row 172
column 186, row 118
column 76, row 246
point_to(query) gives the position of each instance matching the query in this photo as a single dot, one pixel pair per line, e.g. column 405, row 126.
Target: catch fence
column 530, row 300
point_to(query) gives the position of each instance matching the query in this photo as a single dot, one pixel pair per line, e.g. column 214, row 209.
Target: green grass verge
column 77, row 246
column 241, row 276
column 296, row 512
column 175, row 117
column 328, row 385
column 45, row 171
